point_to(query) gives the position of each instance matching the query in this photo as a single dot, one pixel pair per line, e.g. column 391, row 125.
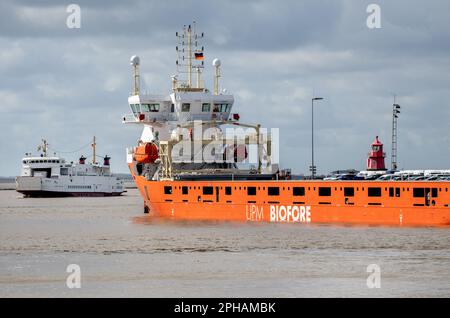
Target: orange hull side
column 404, row 209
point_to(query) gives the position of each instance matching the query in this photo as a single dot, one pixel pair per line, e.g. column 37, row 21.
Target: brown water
column 123, row 253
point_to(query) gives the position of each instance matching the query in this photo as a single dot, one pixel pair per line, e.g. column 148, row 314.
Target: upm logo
column 290, row 214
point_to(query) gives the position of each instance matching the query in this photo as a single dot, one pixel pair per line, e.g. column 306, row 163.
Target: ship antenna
column 135, row 61
column 190, row 56
column 94, row 144
column 189, row 32
column 216, row 63
column 43, row 147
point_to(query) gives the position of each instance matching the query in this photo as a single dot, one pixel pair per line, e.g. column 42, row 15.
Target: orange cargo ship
column 186, row 168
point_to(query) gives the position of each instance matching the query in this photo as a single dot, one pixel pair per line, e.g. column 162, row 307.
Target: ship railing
column 129, row 118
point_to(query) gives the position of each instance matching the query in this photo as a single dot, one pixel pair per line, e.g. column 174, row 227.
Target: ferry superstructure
column 53, row 176
column 176, row 182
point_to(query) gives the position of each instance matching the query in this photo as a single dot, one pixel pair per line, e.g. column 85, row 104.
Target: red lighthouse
column 376, row 156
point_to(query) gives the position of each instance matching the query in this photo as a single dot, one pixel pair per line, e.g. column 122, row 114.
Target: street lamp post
column 395, row 112
column 313, row 168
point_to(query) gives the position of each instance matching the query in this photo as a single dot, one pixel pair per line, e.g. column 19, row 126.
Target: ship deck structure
column 187, row 166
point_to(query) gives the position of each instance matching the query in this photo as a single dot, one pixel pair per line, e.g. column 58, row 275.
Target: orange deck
column 418, row 203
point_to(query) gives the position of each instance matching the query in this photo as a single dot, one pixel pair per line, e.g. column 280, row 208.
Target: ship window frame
column 185, row 190
column 150, row 107
column 228, row 190
column 391, row 192
column 208, row 190
column 185, row 107
column 418, row 192
column 134, row 108
column 434, row 192
column 298, row 191
column 221, row 107
column 206, row 107
column 168, row 190
column 325, row 191
column 251, row 191
column 273, row 191
column 349, row 191
column 374, row 192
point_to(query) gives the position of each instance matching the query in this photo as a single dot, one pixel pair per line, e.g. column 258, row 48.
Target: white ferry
column 52, row 176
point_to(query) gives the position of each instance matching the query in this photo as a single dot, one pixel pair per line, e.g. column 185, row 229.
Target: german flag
column 198, row 56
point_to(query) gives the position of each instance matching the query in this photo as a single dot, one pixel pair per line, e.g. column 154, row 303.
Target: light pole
column 395, row 113
column 313, row 168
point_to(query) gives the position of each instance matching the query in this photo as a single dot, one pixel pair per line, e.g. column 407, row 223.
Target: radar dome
column 134, row 60
column 216, row 62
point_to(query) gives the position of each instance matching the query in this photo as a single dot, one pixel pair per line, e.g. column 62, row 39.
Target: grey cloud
column 68, row 85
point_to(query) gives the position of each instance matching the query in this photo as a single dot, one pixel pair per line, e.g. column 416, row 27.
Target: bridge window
column 135, row 108
column 168, row 190
column 206, row 107
column 208, row 190
column 227, row 190
column 374, row 192
column 184, row 190
column 251, row 191
column 185, row 107
column 324, row 192
column 349, row 192
column 298, row 191
column 273, row 191
column 221, row 108
column 150, row 107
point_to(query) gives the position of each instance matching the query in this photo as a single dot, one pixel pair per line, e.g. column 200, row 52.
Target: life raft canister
column 146, row 153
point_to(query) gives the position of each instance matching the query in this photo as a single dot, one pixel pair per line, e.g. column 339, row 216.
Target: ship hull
column 401, row 210
column 57, row 194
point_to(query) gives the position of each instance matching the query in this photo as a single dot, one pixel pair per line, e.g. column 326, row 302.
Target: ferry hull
column 286, row 208
column 56, row 194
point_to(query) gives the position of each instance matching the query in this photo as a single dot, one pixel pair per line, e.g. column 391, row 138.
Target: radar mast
column 190, row 58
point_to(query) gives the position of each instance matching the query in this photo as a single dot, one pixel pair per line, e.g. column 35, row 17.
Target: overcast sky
column 69, row 84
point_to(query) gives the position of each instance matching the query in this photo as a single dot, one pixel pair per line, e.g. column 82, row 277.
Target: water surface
column 123, row 253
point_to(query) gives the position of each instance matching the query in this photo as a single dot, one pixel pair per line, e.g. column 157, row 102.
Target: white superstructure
column 186, row 131
column 52, row 176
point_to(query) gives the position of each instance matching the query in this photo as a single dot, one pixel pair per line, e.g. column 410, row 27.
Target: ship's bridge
column 180, row 106
column 41, row 166
column 189, row 99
